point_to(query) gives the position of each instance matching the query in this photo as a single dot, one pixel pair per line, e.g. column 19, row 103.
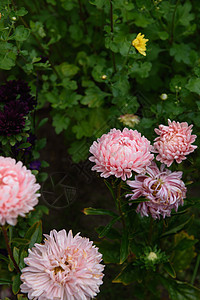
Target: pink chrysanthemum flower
column 174, row 142
column 164, row 190
column 119, row 153
column 64, row 267
column 18, row 189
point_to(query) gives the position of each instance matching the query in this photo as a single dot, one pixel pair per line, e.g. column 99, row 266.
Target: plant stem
column 4, row 230
column 195, row 269
column 112, row 31
column 173, row 21
column 119, row 204
column 126, row 59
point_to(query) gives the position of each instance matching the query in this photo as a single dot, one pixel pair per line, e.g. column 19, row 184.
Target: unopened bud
column 152, row 256
column 104, row 77
column 14, row 18
column 163, row 97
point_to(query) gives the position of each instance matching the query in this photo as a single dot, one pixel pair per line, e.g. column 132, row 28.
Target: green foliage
column 78, row 58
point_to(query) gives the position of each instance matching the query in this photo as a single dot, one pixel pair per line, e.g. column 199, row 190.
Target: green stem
column 195, row 269
column 126, row 59
column 119, row 204
column 173, row 21
column 112, row 31
column 4, row 230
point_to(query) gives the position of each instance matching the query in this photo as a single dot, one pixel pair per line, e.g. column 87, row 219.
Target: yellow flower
column 140, row 43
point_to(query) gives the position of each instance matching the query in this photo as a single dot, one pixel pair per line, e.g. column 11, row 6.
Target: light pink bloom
column 64, row 267
column 164, row 190
column 174, row 142
column 17, row 190
column 119, row 153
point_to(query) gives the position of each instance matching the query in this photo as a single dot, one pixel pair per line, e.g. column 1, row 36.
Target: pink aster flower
column 174, row 142
column 17, row 190
column 164, row 189
column 64, row 267
column 119, row 153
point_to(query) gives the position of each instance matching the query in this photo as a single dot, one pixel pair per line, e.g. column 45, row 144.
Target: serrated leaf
column 194, row 85
column 21, row 33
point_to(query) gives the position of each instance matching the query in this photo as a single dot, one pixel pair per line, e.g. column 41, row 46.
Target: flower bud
column 163, row 97
column 104, row 77
column 152, row 256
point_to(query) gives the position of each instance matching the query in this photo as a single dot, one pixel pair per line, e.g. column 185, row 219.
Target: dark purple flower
column 17, row 90
column 12, row 119
column 31, row 139
column 35, row 165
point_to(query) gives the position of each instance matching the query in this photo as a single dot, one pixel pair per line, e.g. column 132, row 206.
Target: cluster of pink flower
column 122, row 153
column 68, row 267
column 64, row 267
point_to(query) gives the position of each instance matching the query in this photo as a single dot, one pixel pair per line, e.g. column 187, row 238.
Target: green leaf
column 124, row 249
column 113, row 234
column 169, row 269
column 21, row 297
column 16, row 254
column 20, row 241
column 21, row 33
column 183, row 53
column 109, row 226
column 141, row 69
column 129, row 275
column 22, row 256
column 2, row 257
column 163, row 35
column 110, row 251
column 94, row 97
column 194, row 85
column 34, row 234
column 24, row 146
column 60, row 122
column 177, row 228
column 21, row 12
column 110, row 189
column 185, row 243
column 68, row 70
column 180, row 290
column 16, row 284
column 8, row 54
column 5, row 281
column 98, row 211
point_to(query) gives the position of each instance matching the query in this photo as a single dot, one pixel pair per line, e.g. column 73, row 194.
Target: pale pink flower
column 64, row 267
column 119, row 153
column 164, row 189
column 18, row 189
column 174, row 142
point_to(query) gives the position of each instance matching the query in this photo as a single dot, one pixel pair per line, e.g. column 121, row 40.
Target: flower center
column 156, row 187
column 58, row 269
